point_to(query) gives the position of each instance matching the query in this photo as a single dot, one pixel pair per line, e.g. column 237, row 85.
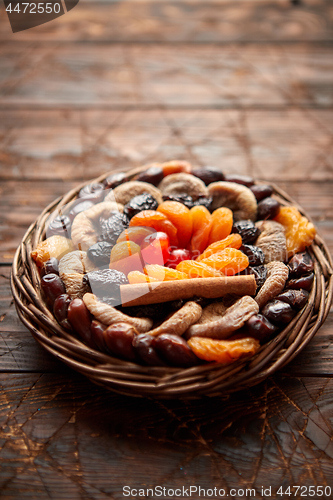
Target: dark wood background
column 246, row 86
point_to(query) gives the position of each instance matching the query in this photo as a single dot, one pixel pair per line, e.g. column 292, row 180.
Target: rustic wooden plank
column 66, row 438
column 176, row 21
column 19, row 351
column 290, row 144
column 247, row 76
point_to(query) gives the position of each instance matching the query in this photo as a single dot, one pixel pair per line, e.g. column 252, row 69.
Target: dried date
column 118, row 339
column 261, row 191
column 268, row 209
column 60, row 310
column 260, row 328
column 143, row 344
column 208, row 174
column 53, row 286
column 295, row 298
column 175, row 350
column 80, row 319
column 153, row 175
column 299, row 264
column 278, row 312
column 305, row 283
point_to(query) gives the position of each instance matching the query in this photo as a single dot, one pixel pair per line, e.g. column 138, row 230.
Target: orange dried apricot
column 201, row 224
column 300, row 232
column 223, row 351
column 181, row 218
column 222, row 220
column 158, row 221
column 162, row 273
column 234, row 240
column 138, row 277
column 176, row 166
column 229, row 261
column 195, row 269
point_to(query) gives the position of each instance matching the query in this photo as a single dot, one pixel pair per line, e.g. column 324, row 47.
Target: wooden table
column 246, row 86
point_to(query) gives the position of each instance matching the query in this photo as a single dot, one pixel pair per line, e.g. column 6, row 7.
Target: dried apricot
column 233, row 240
column 126, row 257
column 138, row 277
column 223, row 351
column 136, row 234
column 229, row 261
column 176, row 166
column 195, row 269
column 54, row 246
column 201, row 224
column 158, row 221
column 222, row 220
column 181, row 218
column 162, row 273
column 300, row 232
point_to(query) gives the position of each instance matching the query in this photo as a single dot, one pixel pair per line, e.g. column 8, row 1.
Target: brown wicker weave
column 211, row 379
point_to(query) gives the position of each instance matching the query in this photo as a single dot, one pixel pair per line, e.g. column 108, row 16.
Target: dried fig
column 237, row 197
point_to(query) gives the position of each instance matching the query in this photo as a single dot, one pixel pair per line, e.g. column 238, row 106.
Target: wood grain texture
column 185, row 20
column 67, row 438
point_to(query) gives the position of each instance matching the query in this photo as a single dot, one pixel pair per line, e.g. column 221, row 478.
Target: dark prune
column 260, row 327
column 78, row 207
column 93, row 191
column 97, row 332
column 305, row 283
column 53, row 286
column 299, row 264
column 111, row 228
column 259, row 272
column 80, row 319
column 239, row 179
column 261, row 191
column 144, row 201
column 118, row 340
column 114, row 180
column 51, row 266
column 183, row 198
column 154, row 311
column 205, row 201
column 100, row 252
column 143, row 344
column 153, row 175
column 60, row 310
column 268, row 209
column 175, row 350
column 278, row 312
column 255, row 255
column 295, row 298
column 61, row 225
column 208, row 174
column 105, row 283
column 248, row 231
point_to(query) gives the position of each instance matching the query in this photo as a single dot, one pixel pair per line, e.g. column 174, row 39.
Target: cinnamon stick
column 139, row 294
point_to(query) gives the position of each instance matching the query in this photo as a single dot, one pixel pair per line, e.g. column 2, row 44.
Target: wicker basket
column 211, row 379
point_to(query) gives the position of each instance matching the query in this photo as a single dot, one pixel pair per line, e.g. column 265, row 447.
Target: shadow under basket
column 211, row 379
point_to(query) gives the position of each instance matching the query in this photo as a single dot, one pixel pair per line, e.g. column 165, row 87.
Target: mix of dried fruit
column 166, row 222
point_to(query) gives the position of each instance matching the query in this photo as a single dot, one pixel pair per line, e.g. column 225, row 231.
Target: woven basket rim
column 124, row 377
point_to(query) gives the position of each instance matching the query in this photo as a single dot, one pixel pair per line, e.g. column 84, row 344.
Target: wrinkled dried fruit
column 139, row 277
column 80, row 319
column 208, row 174
column 277, row 275
column 158, row 221
column 223, row 351
column 95, row 188
column 75, row 262
column 255, row 255
column 144, row 201
column 54, row 246
column 76, row 285
column 222, row 220
column 181, row 218
column 260, row 328
column 175, row 350
column 272, row 241
column 99, row 253
column 175, row 184
column 237, row 197
column 162, row 273
column 268, row 209
column 261, row 191
column 136, row 234
column 126, row 257
column 143, row 345
column 183, row 198
column 105, row 283
column 232, row 241
column 300, row 264
column 195, row 269
column 278, row 312
column 248, row 231
column 180, row 321
column 260, row 274
column 300, row 233
column 53, row 286
column 201, row 227
column 112, row 227
column 125, row 192
column 155, row 311
column 176, row 166
column 79, row 206
column 305, row 283
column 229, row 261
column 118, row 339
column 60, row 225
column 153, row 175
column 295, row 298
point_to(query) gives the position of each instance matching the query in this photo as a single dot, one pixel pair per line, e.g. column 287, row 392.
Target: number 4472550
column 306, row 491
column 33, row 8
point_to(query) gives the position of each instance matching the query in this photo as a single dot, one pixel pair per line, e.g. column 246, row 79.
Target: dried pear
column 272, row 241
column 75, row 262
column 84, row 233
column 233, row 318
column 179, row 322
column 237, row 197
column 182, row 182
column 75, row 286
column 277, row 275
column 125, row 192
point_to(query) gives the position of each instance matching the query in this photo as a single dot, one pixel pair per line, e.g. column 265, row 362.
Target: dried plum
column 144, row 201
column 259, row 272
column 261, row 191
column 295, row 298
column 114, row 180
column 299, row 264
column 153, row 175
column 255, row 255
column 268, row 209
column 278, row 312
column 208, row 174
column 111, row 228
column 248, row 231
column 100, row 252
column 105, row 283
column 183, row 198
column 205, row 201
